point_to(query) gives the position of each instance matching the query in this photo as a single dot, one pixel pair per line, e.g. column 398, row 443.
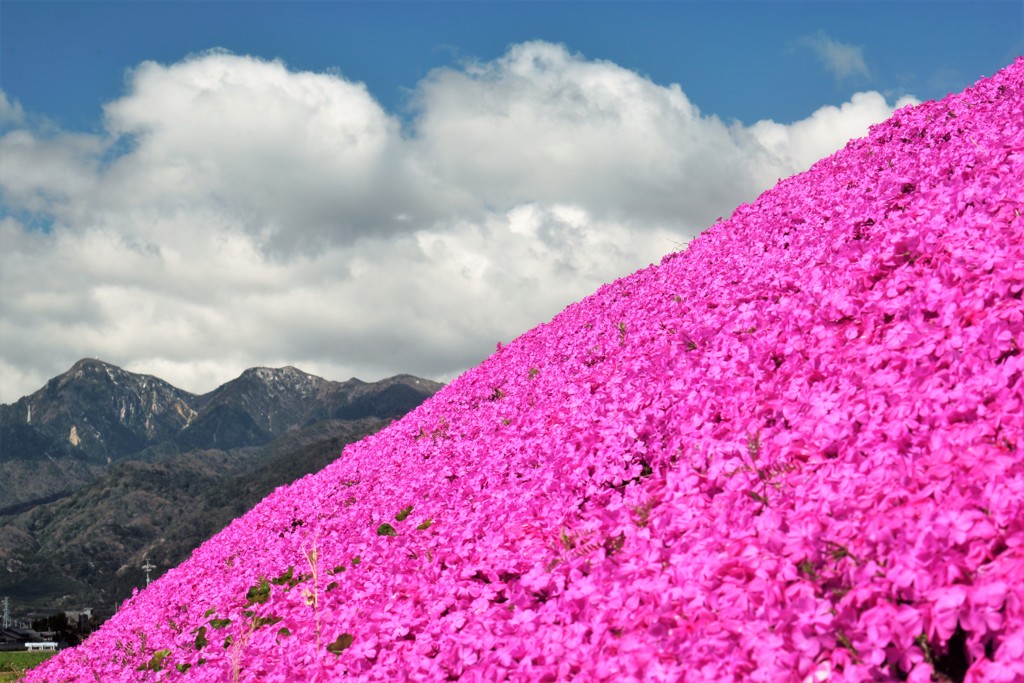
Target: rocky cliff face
column 105, row 412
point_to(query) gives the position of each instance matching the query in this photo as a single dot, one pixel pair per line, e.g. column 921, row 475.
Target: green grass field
column 14, row 664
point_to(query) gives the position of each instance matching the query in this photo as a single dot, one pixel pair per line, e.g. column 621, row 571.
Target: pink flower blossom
column 791, row 452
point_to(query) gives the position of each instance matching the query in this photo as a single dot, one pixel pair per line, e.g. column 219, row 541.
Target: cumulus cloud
column 238, row 213
column 541, row 124
column 301, row 158
column 841, row 59
column 45, row 174
column 797, row 146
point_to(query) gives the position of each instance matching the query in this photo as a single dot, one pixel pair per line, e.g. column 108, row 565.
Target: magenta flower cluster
column 792, row 452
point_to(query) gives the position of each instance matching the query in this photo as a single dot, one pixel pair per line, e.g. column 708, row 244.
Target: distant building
column 18, row 638
column 79, row 618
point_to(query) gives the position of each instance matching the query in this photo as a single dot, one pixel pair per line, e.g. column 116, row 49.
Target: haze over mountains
column 102, row 468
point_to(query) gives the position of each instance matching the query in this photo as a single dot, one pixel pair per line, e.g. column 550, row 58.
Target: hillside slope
column 87, row 549
column 791, row 452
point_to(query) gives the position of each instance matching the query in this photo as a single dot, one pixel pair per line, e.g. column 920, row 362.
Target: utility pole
column 147, row 567
column 7, row 613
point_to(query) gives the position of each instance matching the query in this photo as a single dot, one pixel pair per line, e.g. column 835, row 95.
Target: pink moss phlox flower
column 791, row 452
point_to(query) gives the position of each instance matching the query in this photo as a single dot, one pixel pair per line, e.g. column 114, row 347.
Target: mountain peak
column 86, row 363
column 94, row 366
column 263, row 370
column 94, row 369
column 286, row 373
column 98, row 410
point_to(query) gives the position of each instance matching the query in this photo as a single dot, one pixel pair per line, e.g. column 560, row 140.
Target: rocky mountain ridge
column 61, row 437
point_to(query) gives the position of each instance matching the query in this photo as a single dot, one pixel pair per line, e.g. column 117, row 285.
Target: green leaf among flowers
column 343, row 643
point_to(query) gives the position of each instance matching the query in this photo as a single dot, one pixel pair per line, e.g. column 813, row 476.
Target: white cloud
column 11, row 113
column 795, row 147
column 299, row 158
column 841, row 59
column 540, row 124
column 236, row 213
column 45, row 173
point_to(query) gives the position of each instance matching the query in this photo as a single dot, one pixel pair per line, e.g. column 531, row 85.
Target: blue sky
column 743, row 60
column 362, row 189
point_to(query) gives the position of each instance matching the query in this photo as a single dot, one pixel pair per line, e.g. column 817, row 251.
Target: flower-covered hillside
column 794, row 451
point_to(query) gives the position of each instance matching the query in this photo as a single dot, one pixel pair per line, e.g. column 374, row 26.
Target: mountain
column 791, row 452
column 111, row 468
column 63, row 436
column 262, row 404
column 102, row 411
